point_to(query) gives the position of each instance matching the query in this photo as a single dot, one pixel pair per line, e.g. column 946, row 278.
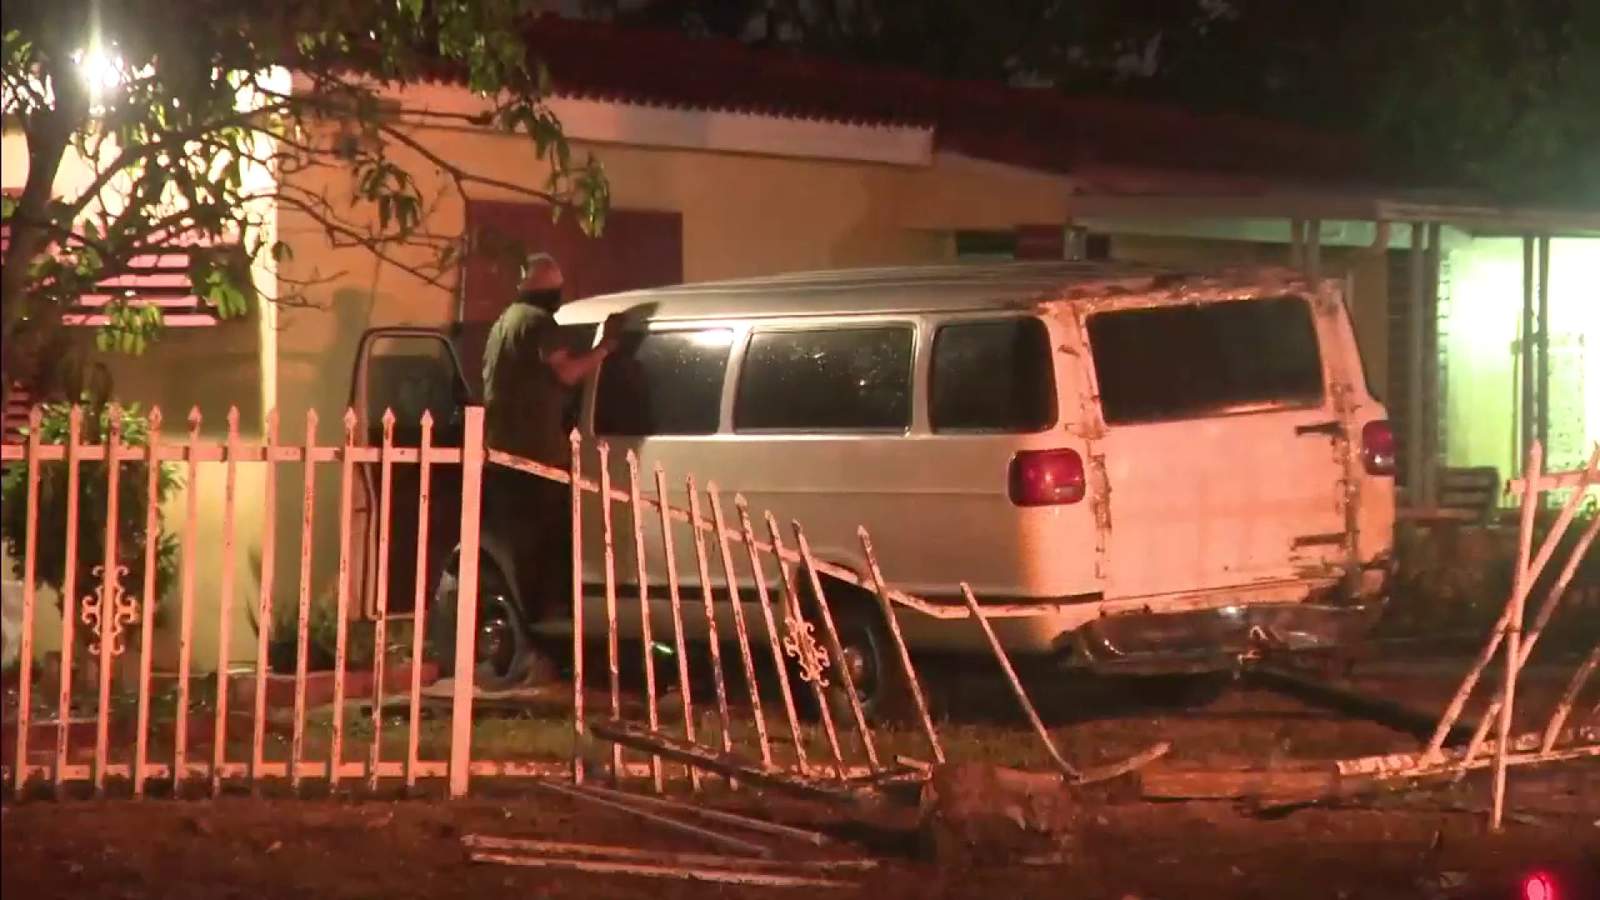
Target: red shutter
column 18, row 401
column 160, row 279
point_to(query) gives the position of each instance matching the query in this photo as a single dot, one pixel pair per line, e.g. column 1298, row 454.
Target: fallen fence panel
column 579, row 792
column 600, row 851
column 718, row 876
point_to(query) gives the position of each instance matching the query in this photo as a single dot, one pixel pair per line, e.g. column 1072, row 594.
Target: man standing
column 527, row 372
column 527, row 376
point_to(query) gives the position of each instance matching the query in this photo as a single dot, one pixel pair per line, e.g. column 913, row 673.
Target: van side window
column 838, row 379
column 663, row 382
column 992, row 376
column 1186, row 362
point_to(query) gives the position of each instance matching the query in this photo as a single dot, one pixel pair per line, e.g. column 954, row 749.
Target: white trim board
column 723, row 131
column 740, row 132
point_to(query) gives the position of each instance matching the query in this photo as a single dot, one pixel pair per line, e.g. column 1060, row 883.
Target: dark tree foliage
column 1500, row 96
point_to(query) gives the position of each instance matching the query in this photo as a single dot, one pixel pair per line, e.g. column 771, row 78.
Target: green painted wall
column 1481, row 323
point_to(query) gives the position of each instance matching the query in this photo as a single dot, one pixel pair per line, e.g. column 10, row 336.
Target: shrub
column 51, row 557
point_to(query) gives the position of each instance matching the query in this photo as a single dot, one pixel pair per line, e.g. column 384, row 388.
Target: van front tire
column 501, row 649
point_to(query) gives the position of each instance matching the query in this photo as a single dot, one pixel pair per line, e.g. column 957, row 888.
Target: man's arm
column 572, row 368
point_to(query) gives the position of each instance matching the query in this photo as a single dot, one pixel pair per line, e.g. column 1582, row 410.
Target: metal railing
column 743, row 546
column 110, row 609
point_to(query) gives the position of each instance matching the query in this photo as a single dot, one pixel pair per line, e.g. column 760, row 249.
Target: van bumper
column 1212, row 639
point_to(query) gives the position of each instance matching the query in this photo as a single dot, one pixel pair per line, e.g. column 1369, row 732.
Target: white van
column 1145, row 471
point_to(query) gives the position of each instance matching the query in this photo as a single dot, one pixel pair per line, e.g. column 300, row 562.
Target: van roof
column 906, row 289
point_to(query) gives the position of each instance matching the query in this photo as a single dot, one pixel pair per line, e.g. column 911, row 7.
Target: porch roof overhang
column 1355, row 204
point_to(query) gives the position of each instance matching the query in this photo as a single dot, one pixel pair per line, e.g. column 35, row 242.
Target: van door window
column 840, row 379
column 992, row 376
column 410, row 374
column 1183, row 362
column 663, row 382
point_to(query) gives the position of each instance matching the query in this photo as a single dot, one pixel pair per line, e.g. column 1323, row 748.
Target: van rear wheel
column 874, row 668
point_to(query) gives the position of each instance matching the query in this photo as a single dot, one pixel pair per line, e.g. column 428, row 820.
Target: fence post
column 472, row 457
column 30, row 561
column 69, row 601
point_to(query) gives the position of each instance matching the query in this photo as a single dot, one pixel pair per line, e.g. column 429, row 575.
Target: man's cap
column 540, row 272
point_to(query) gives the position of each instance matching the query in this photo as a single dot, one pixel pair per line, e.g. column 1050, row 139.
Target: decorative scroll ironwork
column 802, row 645
column 107, row 617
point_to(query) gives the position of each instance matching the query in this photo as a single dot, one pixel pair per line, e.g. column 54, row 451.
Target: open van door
column 409, row 371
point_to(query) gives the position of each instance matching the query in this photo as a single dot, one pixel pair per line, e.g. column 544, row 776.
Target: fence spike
column 419, row 599
column 1067, row 769
column 835, row 647
column 758, row 572
column 341, row 616
column 636, row 516
column 886, row 606
column 191, row 528
column 225, row 604
column 703, row 564
column 1520, row 588
column 308, row 507
column 1513, row 620
column 380, row 600
column 802, row 645
column 575, row 501
column 108, row 607
column 676, row 601
column 613, row 648
column 264, row 612
column 473, row 458
column 730, row 573
column 30, row 563
column 69, row 609
column 1558, row 717
column 152, row 538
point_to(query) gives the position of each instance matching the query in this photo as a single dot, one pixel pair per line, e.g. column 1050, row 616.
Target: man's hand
column 613, row 327
column 571, row 368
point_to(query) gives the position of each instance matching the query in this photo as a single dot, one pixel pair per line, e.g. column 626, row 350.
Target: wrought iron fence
column 791, row 607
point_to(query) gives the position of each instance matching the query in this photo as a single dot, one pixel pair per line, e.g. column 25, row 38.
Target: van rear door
column 1221, row 445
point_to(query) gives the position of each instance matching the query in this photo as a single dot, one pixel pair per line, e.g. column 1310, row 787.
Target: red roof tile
column 1035, row 127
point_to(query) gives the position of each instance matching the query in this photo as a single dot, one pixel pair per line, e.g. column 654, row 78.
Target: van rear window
column 1187, row 362
column 663, row 382
column 836, row 379
column 992, row 376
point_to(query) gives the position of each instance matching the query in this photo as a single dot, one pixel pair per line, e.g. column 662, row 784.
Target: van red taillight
column 1046, row 477
column 1378, row 448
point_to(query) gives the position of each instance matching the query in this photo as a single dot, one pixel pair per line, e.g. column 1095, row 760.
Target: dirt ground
column 239, row 847
column 1418, row 845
